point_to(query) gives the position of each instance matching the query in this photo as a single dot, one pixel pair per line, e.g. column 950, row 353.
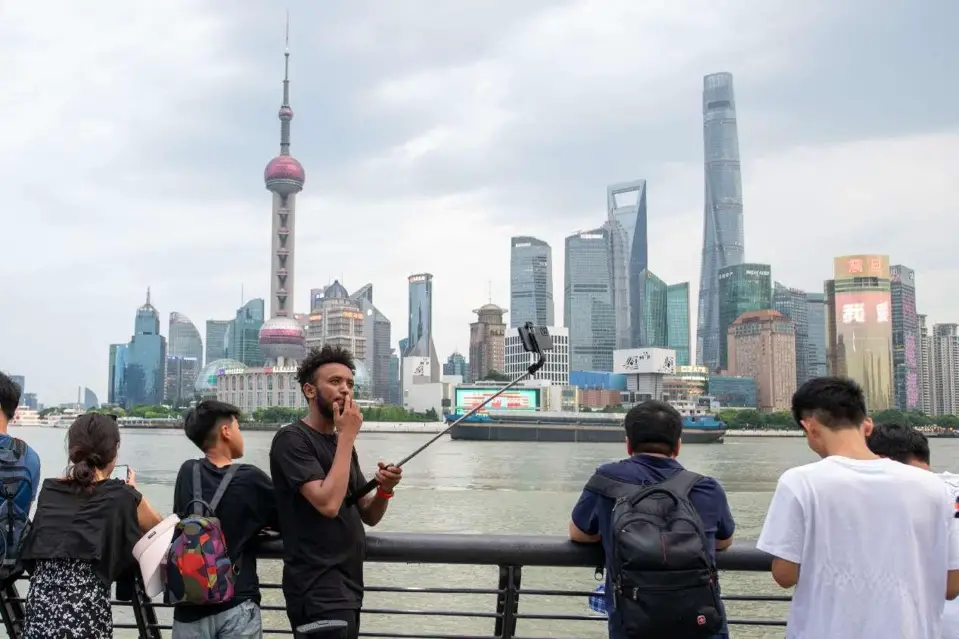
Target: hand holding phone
column 121, row 472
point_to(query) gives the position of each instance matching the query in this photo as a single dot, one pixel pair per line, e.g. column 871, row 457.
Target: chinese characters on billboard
column 517, row 399
column 852, row 266
column 864, row 343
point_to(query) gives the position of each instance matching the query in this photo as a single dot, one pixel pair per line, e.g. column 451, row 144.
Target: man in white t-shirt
column 907, row 445
column 866, row 541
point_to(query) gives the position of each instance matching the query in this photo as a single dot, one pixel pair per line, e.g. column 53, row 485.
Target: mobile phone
column 121, row 472
column 535, row 339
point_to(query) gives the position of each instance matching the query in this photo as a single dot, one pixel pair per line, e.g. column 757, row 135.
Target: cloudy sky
column 133, row 138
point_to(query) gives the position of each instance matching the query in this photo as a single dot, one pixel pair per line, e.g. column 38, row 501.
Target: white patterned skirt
column 67, row 600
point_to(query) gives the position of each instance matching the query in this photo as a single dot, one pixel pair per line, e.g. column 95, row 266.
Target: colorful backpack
column 199, row 570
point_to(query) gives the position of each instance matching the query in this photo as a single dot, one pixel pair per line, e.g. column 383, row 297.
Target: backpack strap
column 682, row 482
column 19, row 447
column 222, row 487
column 197, row 502
column 613, row 488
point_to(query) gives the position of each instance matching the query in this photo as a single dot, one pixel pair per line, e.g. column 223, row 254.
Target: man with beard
column 315, row 468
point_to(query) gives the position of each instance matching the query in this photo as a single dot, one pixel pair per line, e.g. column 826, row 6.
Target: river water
column 492, row 487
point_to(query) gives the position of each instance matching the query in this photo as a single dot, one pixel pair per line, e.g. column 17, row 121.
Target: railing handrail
column 509, row 550
column 510, row 553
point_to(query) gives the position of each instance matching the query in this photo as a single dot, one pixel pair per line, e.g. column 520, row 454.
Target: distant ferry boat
column 544, row 426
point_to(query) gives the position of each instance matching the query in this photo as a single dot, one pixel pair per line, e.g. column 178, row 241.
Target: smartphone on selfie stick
column 536, row 340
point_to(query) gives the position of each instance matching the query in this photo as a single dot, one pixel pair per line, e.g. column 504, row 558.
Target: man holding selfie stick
column 315, row 469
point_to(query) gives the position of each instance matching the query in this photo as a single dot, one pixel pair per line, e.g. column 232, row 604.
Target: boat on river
column 555, row 426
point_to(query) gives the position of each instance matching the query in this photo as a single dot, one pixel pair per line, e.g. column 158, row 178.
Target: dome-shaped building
column 205, row 385
column 282, row 338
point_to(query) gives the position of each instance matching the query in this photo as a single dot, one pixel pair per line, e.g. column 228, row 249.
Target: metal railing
column 510, row 554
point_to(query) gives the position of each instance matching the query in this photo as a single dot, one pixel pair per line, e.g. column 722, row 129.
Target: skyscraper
column 588, row 305
column 184, row 359
column 217, row 340
column 629, row 257
column 245, row 333
column 816, row 335
column 487, row 341
column 762, row 346
column 146, row 357
column 420, row 328
column 742, row 288
column 945, row 369
column 282, row 339
column 530, row 282
column 677, row 321
column 905, row 338
column 723, row 243
column 859, row 327
column 792, row 303
column 377, row 329
column 925, row 367
column 653, row 323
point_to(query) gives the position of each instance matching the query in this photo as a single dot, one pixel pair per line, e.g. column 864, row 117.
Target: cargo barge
column 542, row 426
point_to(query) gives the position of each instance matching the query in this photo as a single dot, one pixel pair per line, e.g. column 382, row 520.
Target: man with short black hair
column 653, row 440
column 26, row 490
column 19, row 482
column 870, row 544
column 908, row 445
column 315, row 470
column 246, row 508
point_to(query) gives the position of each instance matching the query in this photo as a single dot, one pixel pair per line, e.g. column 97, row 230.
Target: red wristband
column 383, row 494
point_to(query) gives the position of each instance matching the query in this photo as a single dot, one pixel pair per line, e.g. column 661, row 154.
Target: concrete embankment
column 368, row 427
column 764, row 433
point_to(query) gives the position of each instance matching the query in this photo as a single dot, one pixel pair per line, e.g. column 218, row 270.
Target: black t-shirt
column 322, row 556
column 247, row 507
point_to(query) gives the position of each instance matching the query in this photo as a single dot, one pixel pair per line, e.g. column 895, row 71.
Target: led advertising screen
column 864, row 343
column 513, row 399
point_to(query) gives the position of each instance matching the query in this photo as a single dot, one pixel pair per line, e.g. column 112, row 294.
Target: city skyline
column 394, row 146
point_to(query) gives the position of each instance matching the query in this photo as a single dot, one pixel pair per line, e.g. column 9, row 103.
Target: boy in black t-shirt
column 247, row 507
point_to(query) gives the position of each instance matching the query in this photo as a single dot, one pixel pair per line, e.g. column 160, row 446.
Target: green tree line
column 749, row 419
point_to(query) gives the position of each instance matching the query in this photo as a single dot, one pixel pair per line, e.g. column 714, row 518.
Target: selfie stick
column 531, row 345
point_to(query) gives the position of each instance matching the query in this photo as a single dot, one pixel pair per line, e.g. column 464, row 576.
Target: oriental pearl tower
column 282, row 339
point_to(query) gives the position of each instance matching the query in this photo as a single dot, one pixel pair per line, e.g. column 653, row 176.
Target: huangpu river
column 491, row 487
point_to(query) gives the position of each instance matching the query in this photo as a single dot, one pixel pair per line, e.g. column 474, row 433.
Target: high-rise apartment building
column 816, row 337
column 905, row 338
column 629, row 257
column 723, row 243
column 420, row 329
column 530, row 282
column 859, row 326
column 762, row 345
column 217, row 340
column 588, row 304
column 652, row 324
column 945, row 369
column 555, row 370
column 742, row 288
column 925, row 367
column 487, row 341
column 792, row 303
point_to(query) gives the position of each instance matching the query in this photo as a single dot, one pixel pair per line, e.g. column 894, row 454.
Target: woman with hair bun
column 82, row 539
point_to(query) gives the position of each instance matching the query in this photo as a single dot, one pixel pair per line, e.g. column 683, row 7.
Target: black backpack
column 664, row 584
column 14, row 523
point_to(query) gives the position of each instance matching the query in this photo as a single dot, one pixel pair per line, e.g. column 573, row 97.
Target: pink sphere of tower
column 284, row 175
column 282, row 337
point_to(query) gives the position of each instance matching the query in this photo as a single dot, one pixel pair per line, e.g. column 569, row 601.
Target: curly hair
column 319, row 357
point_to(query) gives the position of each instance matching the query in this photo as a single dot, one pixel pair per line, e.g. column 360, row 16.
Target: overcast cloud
column 133, row 138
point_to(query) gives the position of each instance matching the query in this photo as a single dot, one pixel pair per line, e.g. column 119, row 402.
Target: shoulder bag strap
column 222, row 487
column 682, row 482
column 19, row 447
column 197, row 490
column 613, row 488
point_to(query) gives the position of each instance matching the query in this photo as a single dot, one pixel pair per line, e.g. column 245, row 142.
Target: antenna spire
column 148, row 296
column 286, row 113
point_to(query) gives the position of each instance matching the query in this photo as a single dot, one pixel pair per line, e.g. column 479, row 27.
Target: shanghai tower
column 282, row 339
column 723, row 214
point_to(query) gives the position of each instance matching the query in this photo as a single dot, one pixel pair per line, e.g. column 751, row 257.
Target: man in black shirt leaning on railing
column 314, row 468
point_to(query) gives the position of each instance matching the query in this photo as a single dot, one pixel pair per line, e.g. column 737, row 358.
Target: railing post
column 12, row 611
column 143, row 611
column 507, row 601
